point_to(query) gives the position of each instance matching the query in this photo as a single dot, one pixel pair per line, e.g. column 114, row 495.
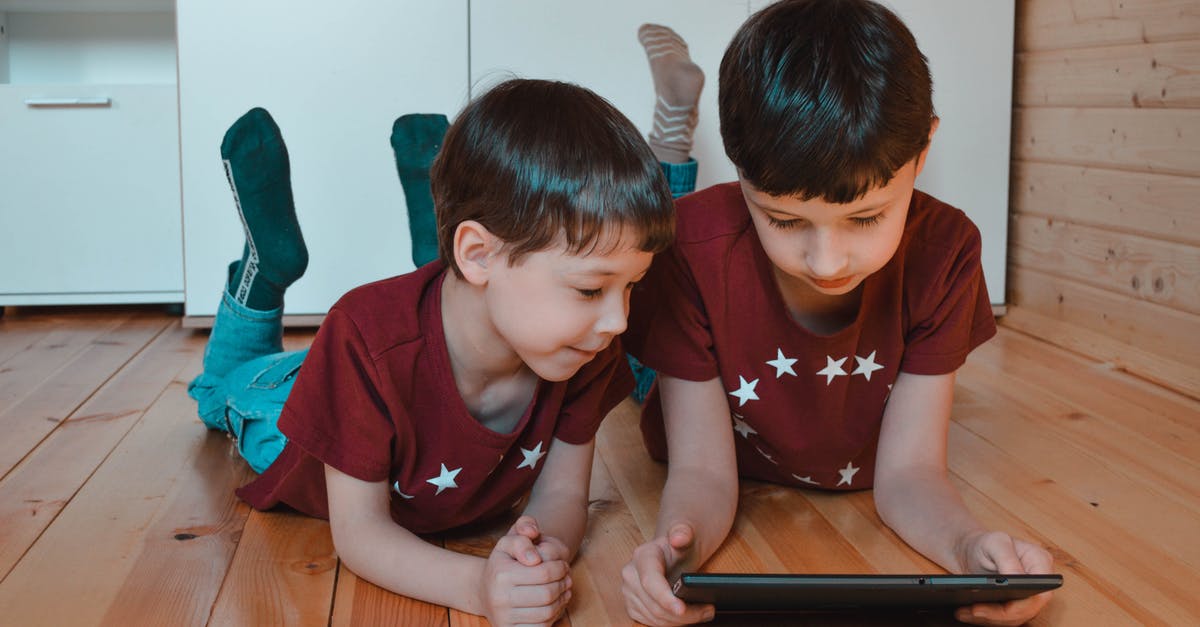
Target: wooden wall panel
column 1161, row 141
column 1104, row 253
column 1124, row 319
column 1061, row 24
column 1143, row 75
column 1151, row 205
column 1165, row 273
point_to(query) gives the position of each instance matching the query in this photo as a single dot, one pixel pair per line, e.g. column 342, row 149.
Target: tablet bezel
column 790, row 592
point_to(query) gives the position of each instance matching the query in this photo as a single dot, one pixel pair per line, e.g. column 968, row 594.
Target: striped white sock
column 677, row 85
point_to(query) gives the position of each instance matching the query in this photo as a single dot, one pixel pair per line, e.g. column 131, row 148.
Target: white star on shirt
column 808, row 479
column 833, row 369
column 445, row 479
column 396, row 487
column 766, row 455
column 847, row 474
column 746, row 391
column 782, row 364
column 743, row 427
column 866, row 365
column 531, row 457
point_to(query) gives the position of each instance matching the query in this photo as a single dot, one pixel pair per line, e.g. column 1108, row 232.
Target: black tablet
column 742, row 592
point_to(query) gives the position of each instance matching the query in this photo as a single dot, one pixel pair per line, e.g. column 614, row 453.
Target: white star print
column 866, row 365
column 746, row 391
column 847, row 474
column 531, row 457
column 743, row 427
column 833, row 369
column 782, row 364
column 808, row 479
column 445, row 479
column 766, row 455
column 396, row 487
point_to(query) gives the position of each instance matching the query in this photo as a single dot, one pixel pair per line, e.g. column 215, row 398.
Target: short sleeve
column 669, row 328
column 593, row 392
column 952, row 314
column 335, row 411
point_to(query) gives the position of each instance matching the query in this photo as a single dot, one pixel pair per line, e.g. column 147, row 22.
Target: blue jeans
column 246, row 379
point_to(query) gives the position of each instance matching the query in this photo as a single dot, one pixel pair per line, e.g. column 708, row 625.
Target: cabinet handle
column 67, row 102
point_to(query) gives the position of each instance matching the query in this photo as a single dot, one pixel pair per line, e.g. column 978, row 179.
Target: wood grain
column 1143, row 75
column 1058, row 24
column 1162, row 141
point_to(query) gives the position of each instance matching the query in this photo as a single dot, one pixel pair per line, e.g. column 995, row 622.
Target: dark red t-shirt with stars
column 806, row 407
column 375, row 398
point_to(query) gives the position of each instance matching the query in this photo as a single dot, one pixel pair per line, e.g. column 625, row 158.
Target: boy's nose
column 825, row 256
column 615, row 315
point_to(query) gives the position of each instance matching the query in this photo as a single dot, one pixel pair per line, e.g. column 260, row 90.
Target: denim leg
column 254, row 394
column 239, row 335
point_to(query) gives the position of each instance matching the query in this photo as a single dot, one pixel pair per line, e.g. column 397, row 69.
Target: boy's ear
column 933, row 127
column 475, row 248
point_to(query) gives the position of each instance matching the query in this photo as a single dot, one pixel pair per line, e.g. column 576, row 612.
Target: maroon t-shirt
column 376, row 399
column 806, row 407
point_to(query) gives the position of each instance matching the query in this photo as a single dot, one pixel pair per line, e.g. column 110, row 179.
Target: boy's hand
column 648, row 596
column 520, row 585
column 997, row 552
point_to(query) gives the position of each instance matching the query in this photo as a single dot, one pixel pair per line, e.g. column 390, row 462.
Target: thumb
column 681, row 536
column 526, row 526
column 1003, row 554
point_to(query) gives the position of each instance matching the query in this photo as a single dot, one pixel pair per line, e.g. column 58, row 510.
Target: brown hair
column 533, row 159
column 824, row 98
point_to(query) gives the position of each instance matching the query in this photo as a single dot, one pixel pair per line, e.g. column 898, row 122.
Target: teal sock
column 256, row 164
column 416, row 139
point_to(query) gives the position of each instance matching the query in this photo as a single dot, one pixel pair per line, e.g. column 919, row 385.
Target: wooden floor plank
column 360, row 603
column 148, row 539
column 38, row 361
column 48, row 403
column 1089, row 597
column 283, row 573
column 1152, row 577
column 35, row 491
column 1007, row 420
column 154, row 535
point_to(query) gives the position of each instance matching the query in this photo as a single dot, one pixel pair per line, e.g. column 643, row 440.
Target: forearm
column 924, row 509
column 705, row 500
column 564, row 518
column 394, row 558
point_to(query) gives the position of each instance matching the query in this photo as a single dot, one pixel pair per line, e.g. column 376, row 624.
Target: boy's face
column 831, row 247
column 557, row 309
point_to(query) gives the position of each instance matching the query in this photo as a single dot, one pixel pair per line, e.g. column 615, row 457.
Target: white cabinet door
column 334, row 77
column 89, row 208
column 595, row 45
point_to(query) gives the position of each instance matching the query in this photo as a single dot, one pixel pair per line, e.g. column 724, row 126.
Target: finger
column 1034, row 559
column 541, row 615
column 525, row 526
column 1012, row 613
column 551, row 548
column 544, row 573
column 520, row 548
column 1002, row 551
column 652, row 581
column 540, row 595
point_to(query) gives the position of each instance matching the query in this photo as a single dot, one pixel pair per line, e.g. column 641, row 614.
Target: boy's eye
column 868, row 221
column 784, row 224
column 589, row 294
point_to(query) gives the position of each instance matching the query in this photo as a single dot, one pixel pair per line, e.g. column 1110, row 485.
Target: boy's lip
column 831, row 284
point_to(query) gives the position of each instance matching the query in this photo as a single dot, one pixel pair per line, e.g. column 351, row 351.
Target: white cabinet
column 89, row 164
column 334, row 77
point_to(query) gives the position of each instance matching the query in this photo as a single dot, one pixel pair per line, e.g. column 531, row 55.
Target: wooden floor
column 117, row 507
